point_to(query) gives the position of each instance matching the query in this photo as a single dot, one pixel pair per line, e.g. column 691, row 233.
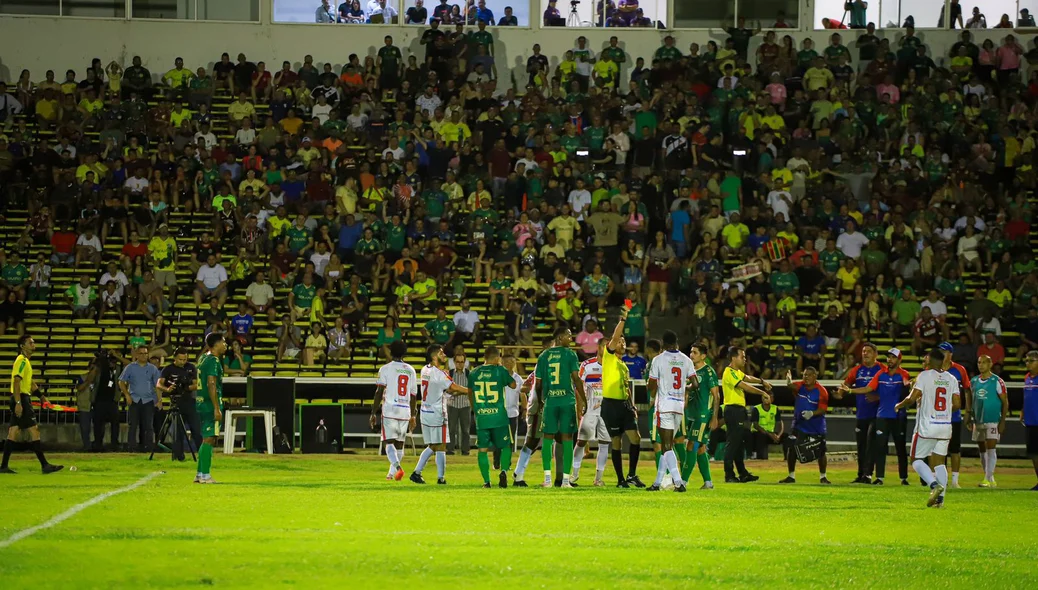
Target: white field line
column 76, row 510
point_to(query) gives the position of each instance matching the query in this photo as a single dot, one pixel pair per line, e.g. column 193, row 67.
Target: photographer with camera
column 179, row 381
column 105, row 395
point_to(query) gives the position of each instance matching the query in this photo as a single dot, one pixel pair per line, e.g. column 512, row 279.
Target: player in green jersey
column 989, row 410
column 209, row 401
column 561, row 399
column 701, row 417
column 488, row 383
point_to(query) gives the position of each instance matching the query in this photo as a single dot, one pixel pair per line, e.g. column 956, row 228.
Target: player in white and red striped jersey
column 592, row 426
column 436, row 386
column 937, row 394
column 395, row 396
column 670, row 374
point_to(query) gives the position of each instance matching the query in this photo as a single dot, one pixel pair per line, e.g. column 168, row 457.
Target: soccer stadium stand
column 814, row 199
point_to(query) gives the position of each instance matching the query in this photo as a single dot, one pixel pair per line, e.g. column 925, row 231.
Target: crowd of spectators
column 718, row 188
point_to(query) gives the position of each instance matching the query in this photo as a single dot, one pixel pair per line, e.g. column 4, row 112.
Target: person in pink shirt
column 777, row 90
column 1008, row 59
column 889, row 89
column 588, row 338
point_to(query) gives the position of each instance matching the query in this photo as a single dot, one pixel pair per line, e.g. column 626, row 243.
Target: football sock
column 205, row 458
column 8, row 447
column 426, row 454
column 924, row 471
column 38, row 449
column 391, row 455
column 506, row 458
column 703, row 461
column 578, row 457
column 661, row 468
column 441, row 464
column 546, row 452
column 618, row 464
column 681, row 453
column 955, row 477
column 524, row 459
column 658, row 454
column 990, row 464
column 567, row 457
column 484, row 466
column 984, row 462
column 792, row 475
column 400, row 457
column 603, row 458
column 688, row 465
column 672, row 465
column 821, row 475
column 942, row 477
column 633, row 469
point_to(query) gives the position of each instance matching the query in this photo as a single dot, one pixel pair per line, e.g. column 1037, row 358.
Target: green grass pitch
column 334, row 521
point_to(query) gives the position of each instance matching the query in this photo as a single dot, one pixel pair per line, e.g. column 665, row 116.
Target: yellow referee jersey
column 615, row 376
column 733, row 396
column 22, row 369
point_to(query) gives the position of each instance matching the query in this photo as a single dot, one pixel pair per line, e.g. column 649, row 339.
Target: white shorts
column 393, row 429
column 670, row 421
column 987, row 431
column 435, row 435
column 924, row 447
column 592, row 427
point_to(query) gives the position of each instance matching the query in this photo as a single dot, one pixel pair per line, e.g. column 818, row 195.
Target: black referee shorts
column 618, row 416
column 955, row 444
column 28, row 417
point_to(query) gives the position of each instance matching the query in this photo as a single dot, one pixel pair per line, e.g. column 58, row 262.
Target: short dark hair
column 491, row 352
column 867, row 343
column 23, row 339
column 936, row 356
column 670, row 339
column 560, row 331
column 653, row 345
column 397, row 349
column 431, row 351
column 699, row 347
column 180, row 350
column 213, row 339
column 733, row 352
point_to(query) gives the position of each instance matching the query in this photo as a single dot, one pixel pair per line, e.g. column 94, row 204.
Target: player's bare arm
column 956, row 401
column 578, row 388
column 911, row 399
column 414, row 409
column 214, row 398
column 1002, row 397
column 376, row 406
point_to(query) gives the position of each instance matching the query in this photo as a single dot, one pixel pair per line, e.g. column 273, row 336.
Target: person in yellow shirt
column 455, row 130
column 848, row 275
column 735, row 233
column 179, row 114
column 241, row 108
column 179, row 78
column 291, row 123
column 163, row 252
column 278, row 224
column 818, row 76
column 605, row 71
column 47, row 110
column 782, row 176
column 735, row 384
column 566, row 68
column 346, row 197
column 565, row 227
column 23, row 417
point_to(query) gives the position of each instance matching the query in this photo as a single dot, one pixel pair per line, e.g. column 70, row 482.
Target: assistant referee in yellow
column 735, row 384
column 23, row 417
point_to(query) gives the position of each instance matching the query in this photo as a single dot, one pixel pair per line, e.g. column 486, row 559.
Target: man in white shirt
column 211, row 281
column 466, row 324
column 356, row 119
column 800, row 168
column 320, row 258
column 206, row 136
column 938, row 309
column 137, row 184
column 780, row 201
column 88, row 247
column 260, row 297
column 383, row 9
column 851, row 241
column 428, row 102
column 580, row 200
column 585, row 58
column 114, row 275
column 322, row 109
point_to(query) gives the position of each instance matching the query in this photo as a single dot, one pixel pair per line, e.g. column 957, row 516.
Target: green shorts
column 697, row 422
column 205, row 417
column 498, row 437
column 559, row 420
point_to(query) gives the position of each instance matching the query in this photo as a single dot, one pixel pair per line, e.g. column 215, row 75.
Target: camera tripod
column 174, row 420
column 574, row 19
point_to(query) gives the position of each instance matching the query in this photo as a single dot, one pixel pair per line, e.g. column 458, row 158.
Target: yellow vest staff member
column 21, row 406
column 618, row 410
column 735, row 384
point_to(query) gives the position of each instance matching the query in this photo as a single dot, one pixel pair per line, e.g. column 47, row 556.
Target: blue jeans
column 142, row 419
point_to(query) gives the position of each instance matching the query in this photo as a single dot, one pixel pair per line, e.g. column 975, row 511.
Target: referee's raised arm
column 618, row 332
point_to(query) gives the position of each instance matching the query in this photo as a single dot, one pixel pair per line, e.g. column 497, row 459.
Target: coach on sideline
column 735, row 384
column 137, row 383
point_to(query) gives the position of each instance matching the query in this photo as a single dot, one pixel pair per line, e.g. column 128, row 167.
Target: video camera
column 573, row 3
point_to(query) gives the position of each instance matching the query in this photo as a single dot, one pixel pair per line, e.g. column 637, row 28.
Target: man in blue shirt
column 635, row 362
column 866, row 404
column 241, row 324
column 679, row 223
column 349, row 235
column 811, row 347
column 812, row 401
column 1029, row 413
column 137, row 383
column 891, row 386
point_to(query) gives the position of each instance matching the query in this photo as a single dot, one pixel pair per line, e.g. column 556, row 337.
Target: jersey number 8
column 402, row 388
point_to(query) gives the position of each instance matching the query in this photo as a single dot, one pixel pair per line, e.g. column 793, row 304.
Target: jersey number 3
column 940, row 401
column 679, row 383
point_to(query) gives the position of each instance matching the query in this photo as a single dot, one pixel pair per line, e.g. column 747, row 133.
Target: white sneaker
column 198, row 479
column 709, row 485
column 598, row 483
column 668, row 482
column 955, row 486
column 566, row 484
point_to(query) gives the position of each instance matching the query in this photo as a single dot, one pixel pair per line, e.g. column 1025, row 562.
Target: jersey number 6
column 940, row 402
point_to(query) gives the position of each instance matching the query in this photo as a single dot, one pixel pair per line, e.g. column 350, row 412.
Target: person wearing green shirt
column 388, row 334
column 785, row 281
column 396, row 235
column 389, row 62
column 634, row 327
column 646, row 118
column 368, row 245
column 299, row 238
column 905, row 311
column 493, row 429
column 807, row 55
column 302, row 297
column 435, row 202
column 439, row 330
column 571, row 141
column 209, row 401
column 830, row 259
column 835, row 49
column 989, row 410
column 481, row 37
column 731, row 193
column 701, row 417
column 667, row 52
column 560, row 392
column 15, row 276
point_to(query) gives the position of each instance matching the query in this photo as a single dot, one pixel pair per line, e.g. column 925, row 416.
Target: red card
column 628, row 304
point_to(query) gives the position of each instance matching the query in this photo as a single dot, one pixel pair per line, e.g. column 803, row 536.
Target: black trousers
column 105, row 414
column 896, row 429
column 142, row 427
column 186, row 405
column 735, row 421
column 865, row 437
